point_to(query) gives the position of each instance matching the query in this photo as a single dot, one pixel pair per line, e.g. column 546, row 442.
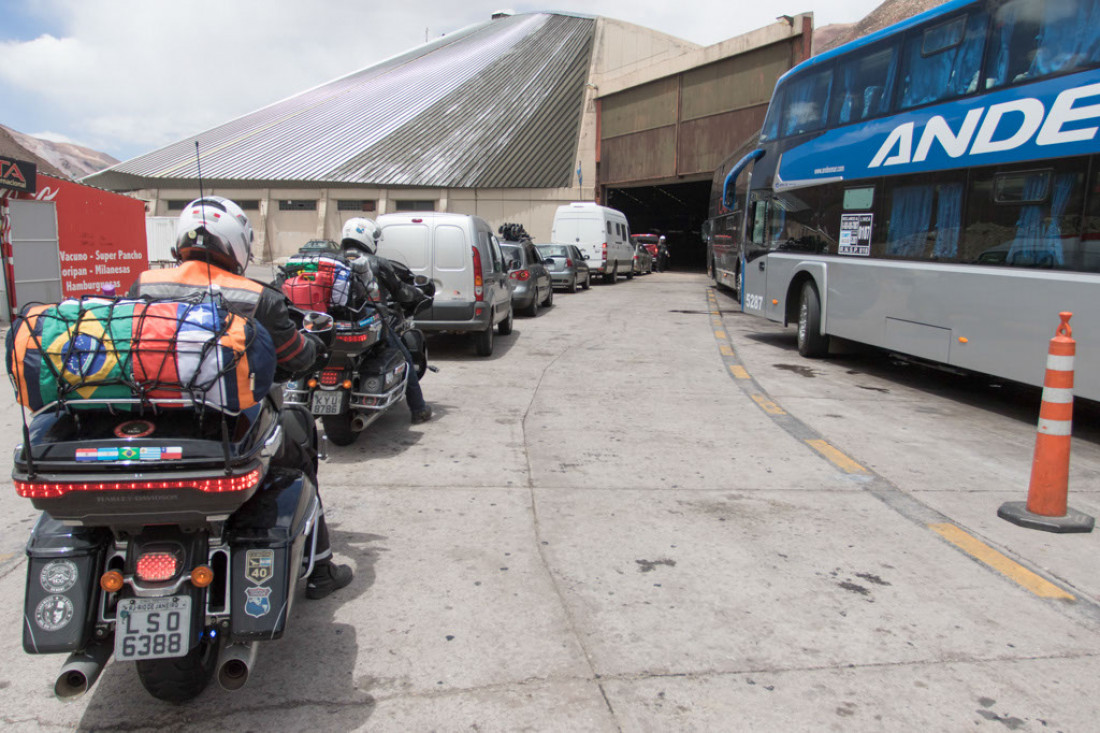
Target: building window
column 408, row 205
column 178, row 204
column 355, row 205
column 248, row 204
column 298, row 205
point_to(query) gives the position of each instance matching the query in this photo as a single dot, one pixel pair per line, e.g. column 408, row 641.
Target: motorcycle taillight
column 157, row 566
column 55, row 489
column 330, row 377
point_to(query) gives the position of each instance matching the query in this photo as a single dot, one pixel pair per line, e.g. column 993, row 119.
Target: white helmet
column 361, row 233
column 215, row 229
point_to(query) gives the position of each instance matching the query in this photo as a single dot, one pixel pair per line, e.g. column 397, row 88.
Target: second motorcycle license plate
column 153, row 628
column 328, row 403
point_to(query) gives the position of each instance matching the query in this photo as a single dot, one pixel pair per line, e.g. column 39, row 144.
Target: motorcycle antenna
column 214, row 306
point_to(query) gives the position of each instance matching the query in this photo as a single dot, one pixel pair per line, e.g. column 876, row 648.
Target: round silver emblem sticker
column 53, row 613
column 58, row 576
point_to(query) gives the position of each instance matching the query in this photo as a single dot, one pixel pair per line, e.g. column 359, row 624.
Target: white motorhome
column 600, row 233
column 461, row 255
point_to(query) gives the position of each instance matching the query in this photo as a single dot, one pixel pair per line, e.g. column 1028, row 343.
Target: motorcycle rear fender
column 63, row 568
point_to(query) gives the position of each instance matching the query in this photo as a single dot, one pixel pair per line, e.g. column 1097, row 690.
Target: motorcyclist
column 359, row 240
column 662, row 254
column 213, row 247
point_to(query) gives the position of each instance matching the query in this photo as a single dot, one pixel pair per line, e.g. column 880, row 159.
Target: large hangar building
column 507, row 119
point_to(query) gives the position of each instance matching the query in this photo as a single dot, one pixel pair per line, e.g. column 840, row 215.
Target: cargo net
column 326, row 283
column 138, row 355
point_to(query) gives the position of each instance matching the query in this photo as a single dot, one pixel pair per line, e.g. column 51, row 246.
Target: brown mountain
column 57, row 159
column 890, row 12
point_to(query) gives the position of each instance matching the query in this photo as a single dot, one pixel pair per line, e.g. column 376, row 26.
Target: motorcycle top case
column 63, row 566
column 176, row 353
column 317, row 282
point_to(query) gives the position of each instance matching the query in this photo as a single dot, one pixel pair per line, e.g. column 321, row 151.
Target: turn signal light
column 111, row 581
column 202, row 576
column 346, row 384
column 311, row 383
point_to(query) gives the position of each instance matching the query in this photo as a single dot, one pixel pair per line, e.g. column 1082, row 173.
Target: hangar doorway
column 676, row 210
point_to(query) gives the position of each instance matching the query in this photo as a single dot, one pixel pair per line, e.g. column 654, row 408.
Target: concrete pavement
column 602, row 529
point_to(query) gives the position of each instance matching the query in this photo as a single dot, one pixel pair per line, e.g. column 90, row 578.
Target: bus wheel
column 811, row 342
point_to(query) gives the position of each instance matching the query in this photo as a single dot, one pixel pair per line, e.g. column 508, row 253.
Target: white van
column 600, row 233
column 462, row 257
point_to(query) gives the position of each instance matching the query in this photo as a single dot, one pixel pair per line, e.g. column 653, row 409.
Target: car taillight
column 568, row 262
column 520, row 275
column 479, row 283
column 155, row 567
column 219, row 485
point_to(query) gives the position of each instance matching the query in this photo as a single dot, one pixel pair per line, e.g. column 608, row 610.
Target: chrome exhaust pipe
column 235, row 664
column 81, row 670
column 359, row 423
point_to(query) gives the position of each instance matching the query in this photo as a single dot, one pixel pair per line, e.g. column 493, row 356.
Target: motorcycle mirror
column 316, row 322
column 420, row 281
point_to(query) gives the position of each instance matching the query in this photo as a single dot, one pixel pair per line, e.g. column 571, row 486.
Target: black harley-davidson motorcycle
column 365, row 375
column 174, row 538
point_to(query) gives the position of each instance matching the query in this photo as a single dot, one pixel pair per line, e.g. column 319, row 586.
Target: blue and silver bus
column 933, row 189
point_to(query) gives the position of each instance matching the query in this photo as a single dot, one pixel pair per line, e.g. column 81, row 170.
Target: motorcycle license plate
column 328, row 403
column 153, row 628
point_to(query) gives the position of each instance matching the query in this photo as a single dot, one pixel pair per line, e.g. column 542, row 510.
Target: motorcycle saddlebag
column 268, row 540
column 63, row 568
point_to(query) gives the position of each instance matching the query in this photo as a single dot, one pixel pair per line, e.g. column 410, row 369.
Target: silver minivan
column 460, row 254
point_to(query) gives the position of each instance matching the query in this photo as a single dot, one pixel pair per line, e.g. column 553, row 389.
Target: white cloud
column 127, row 76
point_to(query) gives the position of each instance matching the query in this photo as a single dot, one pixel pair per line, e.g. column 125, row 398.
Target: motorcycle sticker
column 87, row 454
column 128, row 453
column 58, row 576
column 259, row 565
column 259, row 601
column 53, row 613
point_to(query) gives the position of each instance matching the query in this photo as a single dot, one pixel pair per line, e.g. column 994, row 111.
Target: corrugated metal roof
column 494, row 105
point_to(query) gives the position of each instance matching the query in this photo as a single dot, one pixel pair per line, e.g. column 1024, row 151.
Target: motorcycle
column 172, row 535
column 365, row 376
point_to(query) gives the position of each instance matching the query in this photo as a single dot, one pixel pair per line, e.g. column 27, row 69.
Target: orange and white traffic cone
column 1045, row 507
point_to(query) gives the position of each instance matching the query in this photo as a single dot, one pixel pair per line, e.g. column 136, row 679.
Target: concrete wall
column 281, row 233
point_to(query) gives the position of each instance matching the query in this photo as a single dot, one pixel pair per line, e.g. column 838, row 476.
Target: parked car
column 531, row 278
column 643, row 260
column 600, row 233
column 568, row 268
column 650, row 241
column 462, row 257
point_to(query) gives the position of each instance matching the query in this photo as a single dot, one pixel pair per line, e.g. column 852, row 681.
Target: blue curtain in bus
column 1069, row 37
column 910, row 216
column 1003, row 43
column 1036, row 245
column 948, row 221
column 947, row 73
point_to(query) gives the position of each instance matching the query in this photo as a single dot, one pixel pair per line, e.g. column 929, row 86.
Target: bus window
column 925, row 218
column 1086, row 257
column 759, row 213
column 806, row 103
column 864, row 86
column 1032, row 231
column 943, row 62
column 1033, row 39
column 797, row 220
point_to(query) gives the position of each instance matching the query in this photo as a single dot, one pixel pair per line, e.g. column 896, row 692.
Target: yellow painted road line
column 719, row 334
column 739, row 371
column 7, row 556
column 1009, row 568
column 767, row 405
column 836, row 457
column 726, row 350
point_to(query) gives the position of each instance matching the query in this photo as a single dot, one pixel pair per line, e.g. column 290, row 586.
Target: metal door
column 36, row 262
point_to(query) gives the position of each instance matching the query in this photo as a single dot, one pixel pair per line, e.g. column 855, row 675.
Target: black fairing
column 62, row 586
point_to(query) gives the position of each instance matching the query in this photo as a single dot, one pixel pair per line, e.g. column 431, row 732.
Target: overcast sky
column 128, row 76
